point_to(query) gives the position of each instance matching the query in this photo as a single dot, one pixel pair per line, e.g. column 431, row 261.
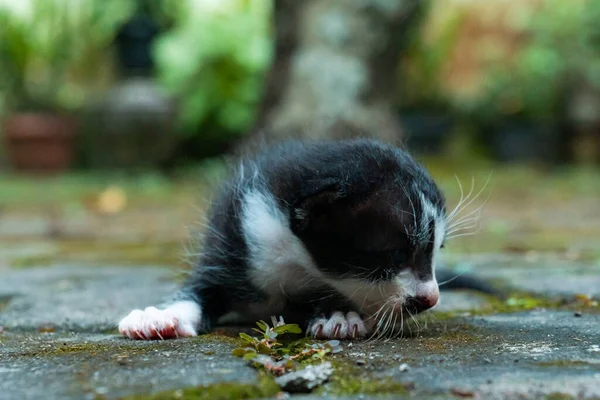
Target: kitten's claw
column 179, row 320
column 339, row 326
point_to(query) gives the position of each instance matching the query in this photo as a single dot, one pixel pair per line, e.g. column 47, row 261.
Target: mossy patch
column 349, row 379
column 222, row 336
column 103, row 252
column 264, row 387
column 517, row 302
column 568, row 363
column 92, row 349
column 559, row 396
column 29, row 192
column 112, row 349
column 448, row 340
column 4, row 301
column 523, row 301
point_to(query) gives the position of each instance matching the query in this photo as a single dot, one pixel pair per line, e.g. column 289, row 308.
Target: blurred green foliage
column 562, row 47
column 211, row 56
column 214, row 59
column 45, row 44
column 423, row 62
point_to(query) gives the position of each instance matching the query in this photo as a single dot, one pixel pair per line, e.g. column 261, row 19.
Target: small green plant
column 278, row 357
column 268, row 344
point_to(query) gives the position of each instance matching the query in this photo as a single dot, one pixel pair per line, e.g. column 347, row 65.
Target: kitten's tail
column 450, row 280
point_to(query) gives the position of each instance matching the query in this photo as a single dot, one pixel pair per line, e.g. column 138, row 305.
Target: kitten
column 341, row 237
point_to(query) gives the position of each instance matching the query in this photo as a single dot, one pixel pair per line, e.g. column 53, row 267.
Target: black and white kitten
column 341, row 237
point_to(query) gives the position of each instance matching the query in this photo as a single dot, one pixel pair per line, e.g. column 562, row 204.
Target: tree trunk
column 334, row 73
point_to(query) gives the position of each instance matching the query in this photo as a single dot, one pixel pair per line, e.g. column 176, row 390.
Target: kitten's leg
column 193, row 309
column 180, row 318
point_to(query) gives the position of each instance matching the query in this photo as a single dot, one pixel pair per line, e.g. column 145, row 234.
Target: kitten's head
column 374, row 228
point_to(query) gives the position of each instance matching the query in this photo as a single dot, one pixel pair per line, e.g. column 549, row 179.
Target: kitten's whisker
column 464, row 234
column 416, row 323
column 476, row 213
column 461, row 201
column 393, row 334
column 381, row 322
column 367, row 295
column 470, row 201
column 401, row 321
column 451, row 279
column 374, row 316
column 463, row 228
column 463, row 224
column 389, row 316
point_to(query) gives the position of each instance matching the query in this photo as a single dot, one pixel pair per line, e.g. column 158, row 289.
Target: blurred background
column 117, row 114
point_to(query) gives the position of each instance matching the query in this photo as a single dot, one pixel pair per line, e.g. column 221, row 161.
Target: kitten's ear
column 316, row 208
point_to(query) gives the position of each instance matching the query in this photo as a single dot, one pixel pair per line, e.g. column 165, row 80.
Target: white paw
column 178, row 320
column 339, row 326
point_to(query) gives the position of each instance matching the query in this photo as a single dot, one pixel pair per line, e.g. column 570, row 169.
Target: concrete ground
column 69, row 272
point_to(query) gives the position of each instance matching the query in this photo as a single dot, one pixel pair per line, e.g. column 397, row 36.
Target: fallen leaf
column 111, row 201
column 46, row 328
column 462, row 392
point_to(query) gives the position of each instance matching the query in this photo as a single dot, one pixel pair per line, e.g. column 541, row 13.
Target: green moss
column 127, row 347
column 220, row 337
column 348, row 379
column 265, row 387
column 29, row 192
column 445, row 342
column 567, row 363
column 516, row 302
column 4, row 301
column 523, row 301
column 102, row 252
column 559, row 396
column 92, row 349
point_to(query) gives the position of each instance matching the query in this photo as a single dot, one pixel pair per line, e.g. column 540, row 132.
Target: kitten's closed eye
column 399, row 257
column 394, row 259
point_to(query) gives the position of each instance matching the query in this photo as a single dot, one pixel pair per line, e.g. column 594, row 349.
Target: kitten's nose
column 426, row 297
column 415, row 305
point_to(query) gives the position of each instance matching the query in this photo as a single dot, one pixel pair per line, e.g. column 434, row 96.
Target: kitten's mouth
column 399, row 309
column 415, row 305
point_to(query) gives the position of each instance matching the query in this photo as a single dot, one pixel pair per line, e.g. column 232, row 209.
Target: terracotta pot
column 40, row 142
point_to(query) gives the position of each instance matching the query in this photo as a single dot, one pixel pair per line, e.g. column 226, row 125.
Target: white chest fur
column 280, row 263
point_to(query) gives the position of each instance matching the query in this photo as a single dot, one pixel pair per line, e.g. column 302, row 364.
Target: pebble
column 305, row 380
column 123, row 360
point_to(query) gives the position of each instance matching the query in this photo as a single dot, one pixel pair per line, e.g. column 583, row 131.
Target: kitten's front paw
column 339, row 326
column 179, row 320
